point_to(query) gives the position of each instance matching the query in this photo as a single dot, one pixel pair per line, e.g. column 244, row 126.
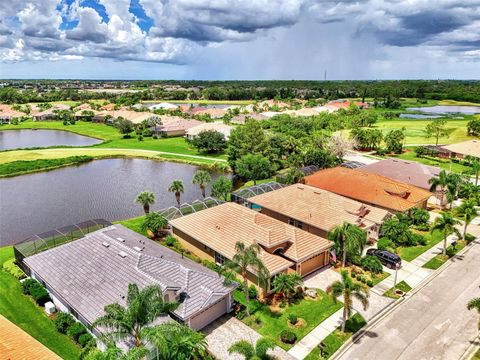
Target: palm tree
column 246, row 258
column 286, row 284
column 145, row 198
column 350, row 238
column 202, row 178
column 453, row 185
column 155, row 223
column 177, row 187
column 476, row 169
column 445, row 223
column 474, row 304
column 175, row 341
column 250, row 352
column 349, row 289
column 143, row 306
column 467, row 212
column 440, row 181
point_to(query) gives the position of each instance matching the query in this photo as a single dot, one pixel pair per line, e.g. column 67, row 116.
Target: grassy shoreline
column 23, row 167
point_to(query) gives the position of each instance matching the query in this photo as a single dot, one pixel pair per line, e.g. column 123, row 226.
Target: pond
column 418, row 116
column 28, row 138
column 34, row 203
column 447, row 109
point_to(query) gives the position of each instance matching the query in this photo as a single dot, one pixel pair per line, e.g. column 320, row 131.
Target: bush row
column 36, row 290
column 66, row 324
column 11, row 267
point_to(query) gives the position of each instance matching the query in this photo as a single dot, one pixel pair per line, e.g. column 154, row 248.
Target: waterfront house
column 222, row 128
column 86, row 274
column 212, row 234
column 7, row 114
column 318, row 211
column 174, row 126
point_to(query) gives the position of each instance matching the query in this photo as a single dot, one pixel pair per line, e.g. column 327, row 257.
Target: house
column 335, row 105
column 135, row 117
column 370, row 188
column 242, row 118
column 303, row 112
column 461, row 150
column 318, row 211
column 213, row 233
column 49, row 114
column 17, row 344
column 163, row 105
column 267, row 104
column 86, row 274
column 174, row 126
column 408, row 172
column 7, row 114
column 216, row 126
column 214, row 113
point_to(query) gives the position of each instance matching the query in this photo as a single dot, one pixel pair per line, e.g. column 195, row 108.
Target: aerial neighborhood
column 285, row 226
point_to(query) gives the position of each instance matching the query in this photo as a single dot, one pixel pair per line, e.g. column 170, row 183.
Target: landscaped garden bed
column 409, row 253
column 271, row 320
column 336, row 339
column 398, row 291
column 441, row 259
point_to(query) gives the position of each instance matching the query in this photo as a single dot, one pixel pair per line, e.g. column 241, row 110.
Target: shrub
column 147, row 133
column 358, row 277
column 27, row 284
column 363, row 279
column 356, row 259
column 422, row 227
column 386, row 244
column 170, row 241
column 370, row 283
column 85, row 339
column 240, row 315
column 39, row 294
column 140, row 137
column 76, row 330
column 288, row 337
column 372, row 264
column 252, row 292
column 292, row 319
column 63, row 322
column 469, row 238
column 416, row 239
column 419, row 216
column 155, row 137
column 11, row 267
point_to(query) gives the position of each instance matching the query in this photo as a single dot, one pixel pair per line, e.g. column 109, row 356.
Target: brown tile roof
column 408, row 172
column 470, row 147
column 319, row 208
column 221, row 227
column 368, row 187
column 177, row 124
column 17, row 344
column 6, row 111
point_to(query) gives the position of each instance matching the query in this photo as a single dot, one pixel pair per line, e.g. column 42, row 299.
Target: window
column 295, row 223
column 291, row 222
column 220, row 259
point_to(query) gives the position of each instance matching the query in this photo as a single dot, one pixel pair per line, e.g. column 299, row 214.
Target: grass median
column 21, row 167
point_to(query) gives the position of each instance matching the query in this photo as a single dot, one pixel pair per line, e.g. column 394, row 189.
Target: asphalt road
column 433, row 323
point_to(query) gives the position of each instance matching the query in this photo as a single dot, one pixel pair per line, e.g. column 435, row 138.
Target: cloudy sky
column 240, row 39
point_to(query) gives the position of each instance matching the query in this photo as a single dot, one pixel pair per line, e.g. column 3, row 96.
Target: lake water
column 419, row 116
column 446, row 109
column 26, row 138
column 34, row 203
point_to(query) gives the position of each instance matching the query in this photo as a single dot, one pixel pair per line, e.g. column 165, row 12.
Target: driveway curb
column 389, row 309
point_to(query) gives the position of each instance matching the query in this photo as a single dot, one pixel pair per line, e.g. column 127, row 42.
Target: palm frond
column 242, row 347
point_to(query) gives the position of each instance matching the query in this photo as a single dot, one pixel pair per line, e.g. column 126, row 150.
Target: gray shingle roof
column 90, row 273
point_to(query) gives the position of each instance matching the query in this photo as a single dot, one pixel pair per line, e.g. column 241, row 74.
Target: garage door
column 206, row 317
column 313, row 264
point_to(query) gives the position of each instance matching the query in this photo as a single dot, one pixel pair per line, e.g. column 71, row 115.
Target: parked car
column 387, row 258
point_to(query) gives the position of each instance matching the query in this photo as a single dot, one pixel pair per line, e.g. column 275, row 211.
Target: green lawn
column 402, row 285
column 23, row 312
column 312, row 311
column 134, row 224
column 409, row 253
column 439, row 260
column 20, row 167
column 441, row 163
column 172, row 145
column 99, row 131
column 336, row 339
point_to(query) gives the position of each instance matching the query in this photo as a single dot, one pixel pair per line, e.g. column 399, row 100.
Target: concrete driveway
column 432, row 323
column 227, row 330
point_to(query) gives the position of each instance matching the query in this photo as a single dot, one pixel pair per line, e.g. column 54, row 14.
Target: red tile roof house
column 408, row 172
column 174, row 126
column 7, row 114
column 370, row 188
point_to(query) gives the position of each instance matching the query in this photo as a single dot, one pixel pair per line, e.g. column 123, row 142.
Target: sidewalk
column 316, row 336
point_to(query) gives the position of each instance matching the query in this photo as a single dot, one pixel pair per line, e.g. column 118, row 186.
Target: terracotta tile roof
column 368, row 187
column 220, row 127
column 17, row 344
column 213, row 112
column 6, row 111
column 470, row 147
column 408, row 172
column 343, row 104
column 176, row 124
column 319, row 208
column 221, row 227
